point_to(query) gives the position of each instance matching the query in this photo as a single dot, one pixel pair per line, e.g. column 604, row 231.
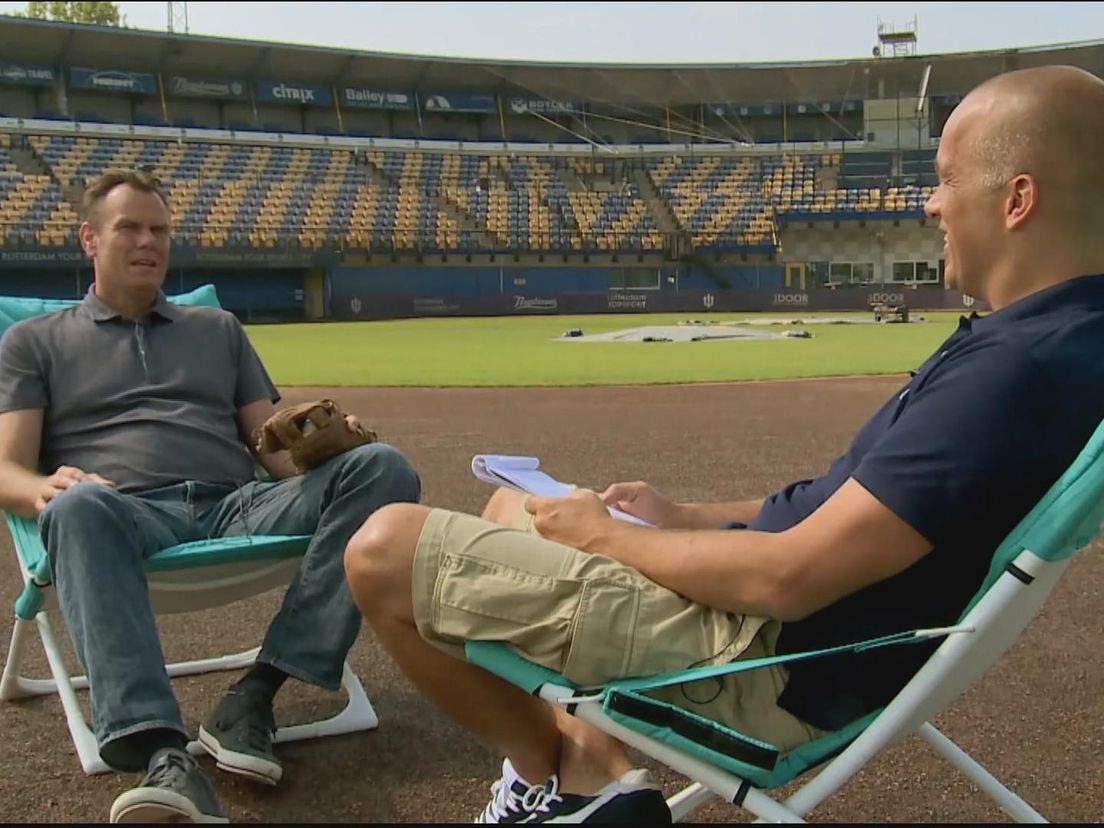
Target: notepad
column 524, row 474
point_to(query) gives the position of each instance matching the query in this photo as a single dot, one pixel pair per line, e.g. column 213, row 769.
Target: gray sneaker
column 175, row 790
column 239, row 735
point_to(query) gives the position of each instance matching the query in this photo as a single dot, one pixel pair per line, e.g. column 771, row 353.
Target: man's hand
column 65, row 478
column 641, row 500
column 575, row 521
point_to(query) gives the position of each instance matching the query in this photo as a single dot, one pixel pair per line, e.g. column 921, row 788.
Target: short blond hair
column 97, row 191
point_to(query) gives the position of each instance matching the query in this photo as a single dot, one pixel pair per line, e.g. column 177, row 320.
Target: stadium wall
column 47, row 284
column 262, row 295
column 880, row 243
column 273, row 294
column 254, row 295
column 531, row 281
column 347, row 303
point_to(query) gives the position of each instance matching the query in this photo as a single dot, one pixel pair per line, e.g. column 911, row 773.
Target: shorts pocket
column 603, row 632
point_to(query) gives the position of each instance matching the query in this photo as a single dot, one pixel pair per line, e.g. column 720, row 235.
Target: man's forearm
column 717, row 515
column 19, row 489
column 744, row 572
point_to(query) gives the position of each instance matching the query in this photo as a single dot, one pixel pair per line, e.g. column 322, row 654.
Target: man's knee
column 84, row 505
column 384, row 468
column 378, row 558
column 87, row 519
column 503, row 506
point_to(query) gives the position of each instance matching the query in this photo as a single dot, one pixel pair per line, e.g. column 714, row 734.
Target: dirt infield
column 1036, row 720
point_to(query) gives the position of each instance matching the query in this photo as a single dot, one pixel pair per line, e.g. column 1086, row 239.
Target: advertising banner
column 301, row 94
column 350, row 302
column 113, row 80
column 182, row 256
column 361, row 98
column 41, row 258
column 22, row 74
column 459, row 102
column 544, row 106
column 180, row 86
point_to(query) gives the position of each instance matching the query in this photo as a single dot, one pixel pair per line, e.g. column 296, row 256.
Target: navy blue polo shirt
column 961, row 453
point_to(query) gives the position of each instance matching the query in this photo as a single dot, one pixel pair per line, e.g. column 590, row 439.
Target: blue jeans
column 97, row 540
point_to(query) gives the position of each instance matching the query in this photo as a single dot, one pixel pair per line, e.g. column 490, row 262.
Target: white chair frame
column 185, row 590
column 993, row 624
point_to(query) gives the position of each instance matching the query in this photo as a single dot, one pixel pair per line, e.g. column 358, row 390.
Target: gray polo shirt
column 144, row 404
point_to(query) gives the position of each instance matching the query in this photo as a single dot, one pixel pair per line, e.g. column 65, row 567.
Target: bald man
column 1025, row 146
column 897, row 534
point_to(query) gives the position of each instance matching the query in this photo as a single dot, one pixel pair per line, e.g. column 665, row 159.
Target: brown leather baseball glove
column 312, row 433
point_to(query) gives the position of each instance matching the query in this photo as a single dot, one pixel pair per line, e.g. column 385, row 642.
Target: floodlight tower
column 178, row 17
column 894, row 41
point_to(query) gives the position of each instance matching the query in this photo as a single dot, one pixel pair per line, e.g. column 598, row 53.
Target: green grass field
column 520, row 351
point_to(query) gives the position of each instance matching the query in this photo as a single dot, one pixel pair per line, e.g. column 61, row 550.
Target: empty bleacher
column 32, row 210
column 719, row 202
column 241, row 195
column 855, row 183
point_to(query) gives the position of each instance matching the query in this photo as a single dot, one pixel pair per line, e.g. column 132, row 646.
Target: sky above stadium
column 633, row 32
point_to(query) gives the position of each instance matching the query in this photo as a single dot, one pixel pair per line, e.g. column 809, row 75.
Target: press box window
column 909, row 272
column 852, row 273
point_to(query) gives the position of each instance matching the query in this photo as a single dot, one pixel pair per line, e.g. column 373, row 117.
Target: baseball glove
column 312, row 433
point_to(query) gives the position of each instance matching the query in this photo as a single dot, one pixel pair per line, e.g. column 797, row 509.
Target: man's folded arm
column 251, row 417
column 853, row 540
column 719, row 515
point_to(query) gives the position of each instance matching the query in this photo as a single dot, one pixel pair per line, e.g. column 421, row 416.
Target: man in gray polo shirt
column 139, row 412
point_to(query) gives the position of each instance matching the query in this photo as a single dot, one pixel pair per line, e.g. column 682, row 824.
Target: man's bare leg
column 503, row 506
column 590, row 758
column 538, row 740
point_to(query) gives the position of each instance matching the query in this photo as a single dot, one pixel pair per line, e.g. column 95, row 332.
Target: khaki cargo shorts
column 592, row 619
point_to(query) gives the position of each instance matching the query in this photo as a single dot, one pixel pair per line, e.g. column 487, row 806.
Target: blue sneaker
column 634, row 798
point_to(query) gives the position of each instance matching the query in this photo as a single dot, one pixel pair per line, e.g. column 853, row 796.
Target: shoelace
column 169, row 770
column 505, row 802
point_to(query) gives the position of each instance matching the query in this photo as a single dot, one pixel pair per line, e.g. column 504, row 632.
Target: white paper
column 524, row 475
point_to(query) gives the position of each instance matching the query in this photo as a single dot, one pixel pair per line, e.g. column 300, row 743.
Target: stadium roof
column 36, row 41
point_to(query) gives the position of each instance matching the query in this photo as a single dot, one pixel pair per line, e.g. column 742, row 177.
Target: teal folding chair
column 189, row 577
column 724, row 763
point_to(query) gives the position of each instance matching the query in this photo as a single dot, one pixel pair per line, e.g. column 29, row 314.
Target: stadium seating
column 32, row 210
column 261, row 196
column 719, row 202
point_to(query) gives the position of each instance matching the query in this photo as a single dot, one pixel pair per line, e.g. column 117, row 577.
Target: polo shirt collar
column 1083, row 291
column 99, row 311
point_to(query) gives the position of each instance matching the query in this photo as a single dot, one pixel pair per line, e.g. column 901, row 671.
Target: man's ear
column 1022, row 202
column 88, row 239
